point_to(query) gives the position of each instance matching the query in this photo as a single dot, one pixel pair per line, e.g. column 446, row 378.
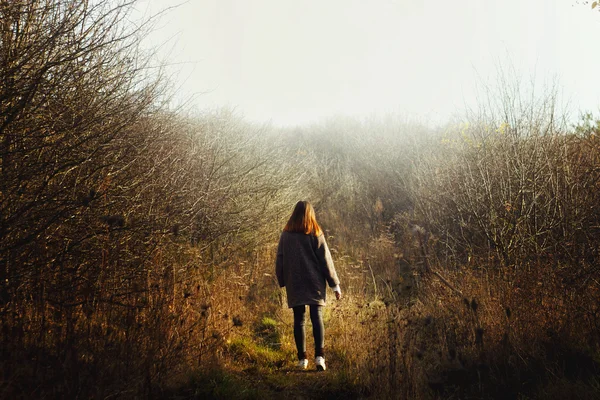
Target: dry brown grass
column 137, row 246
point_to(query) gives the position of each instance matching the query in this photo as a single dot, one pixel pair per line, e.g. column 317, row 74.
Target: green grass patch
column 219, row 384
column 246, row 350
column 267, row 332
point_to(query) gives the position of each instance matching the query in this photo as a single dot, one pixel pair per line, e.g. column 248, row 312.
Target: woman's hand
column 338, row 292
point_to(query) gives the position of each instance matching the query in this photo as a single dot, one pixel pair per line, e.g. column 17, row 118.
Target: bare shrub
column 507, row 206
column 115, row 214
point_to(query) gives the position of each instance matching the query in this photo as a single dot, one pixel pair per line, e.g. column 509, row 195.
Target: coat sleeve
column 279, row 263
column 326, row 262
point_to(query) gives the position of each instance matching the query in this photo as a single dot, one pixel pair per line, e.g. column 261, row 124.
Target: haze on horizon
column 295, row 62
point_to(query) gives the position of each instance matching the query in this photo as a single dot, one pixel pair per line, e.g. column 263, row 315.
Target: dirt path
column 258, row 382
column 289, row 383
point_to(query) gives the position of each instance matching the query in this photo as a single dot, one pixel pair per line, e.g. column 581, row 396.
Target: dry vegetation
column 137, row 243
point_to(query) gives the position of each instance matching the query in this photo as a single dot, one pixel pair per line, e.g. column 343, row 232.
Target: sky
column 293, row 62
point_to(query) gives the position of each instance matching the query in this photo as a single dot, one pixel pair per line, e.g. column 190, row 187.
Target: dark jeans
column 316, row 317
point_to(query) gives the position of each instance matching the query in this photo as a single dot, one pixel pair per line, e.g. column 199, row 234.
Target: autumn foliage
column 137, row 242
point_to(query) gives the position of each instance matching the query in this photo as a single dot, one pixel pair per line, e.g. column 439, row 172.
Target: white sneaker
column 302, row 364
column 320, row 363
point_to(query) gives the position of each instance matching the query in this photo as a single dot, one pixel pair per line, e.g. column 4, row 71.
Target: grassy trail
column 259, row 363
column 267, row 382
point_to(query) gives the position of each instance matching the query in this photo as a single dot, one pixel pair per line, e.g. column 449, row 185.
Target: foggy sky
column 296, row 61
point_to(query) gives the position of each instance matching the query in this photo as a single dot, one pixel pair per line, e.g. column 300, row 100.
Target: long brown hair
column 303, row 220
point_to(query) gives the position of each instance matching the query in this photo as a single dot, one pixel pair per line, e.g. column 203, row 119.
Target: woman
column 303, row 267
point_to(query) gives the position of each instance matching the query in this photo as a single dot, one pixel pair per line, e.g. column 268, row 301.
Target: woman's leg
column 299, row 331
column 316, row 317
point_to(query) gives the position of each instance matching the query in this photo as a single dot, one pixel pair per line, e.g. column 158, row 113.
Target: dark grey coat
column 303, row 267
